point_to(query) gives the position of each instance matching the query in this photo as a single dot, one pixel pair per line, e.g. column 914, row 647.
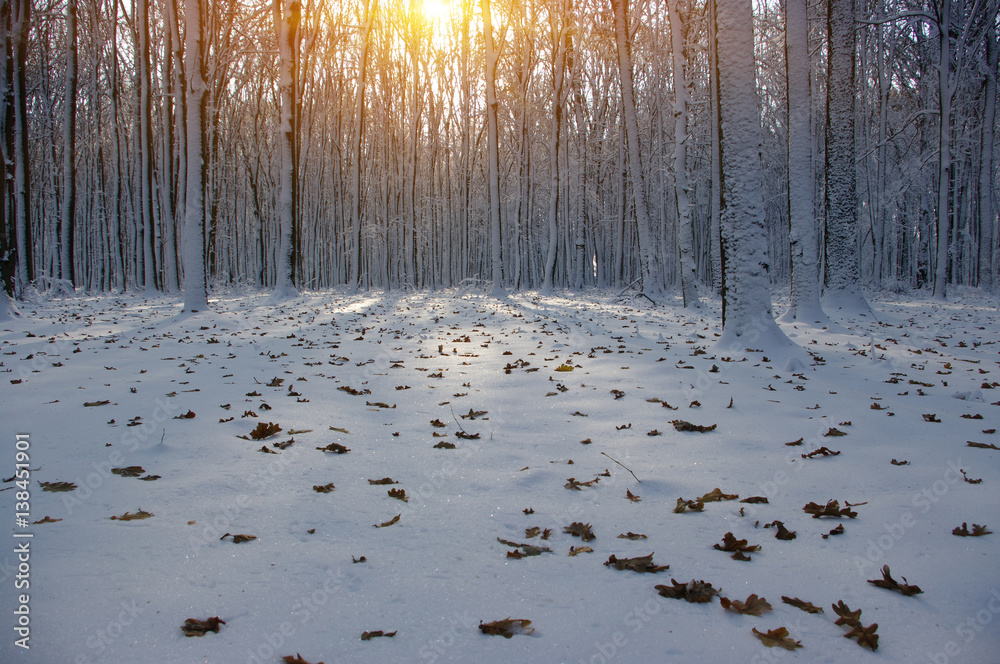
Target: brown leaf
column 128, row 516
column 808, row 607
column 777, row 637
column 631, row 496
column 839, row 530
column 574, row 550
column 466, row 436
column 581, row 530
column 755, row 499
column 931, row 417
column 444, row 445
column 47, row 519
column 831, row 509
column 194, row 627
column 288, row 659
column 384, row 480
column 284, row 444
column 529, row 550
column 977, row 530
column 57, row 486
column 685, row 505
column 335, row 448
column 368, row 636
column 130, row 471
column 266, row 450
column 323, row 488
column 890, row 583
column 389, row 522
column 641, row 564
column 507, row 627
column 186, row 416
column 572, row 483
column 834, row 432
column 736, row 546
column 783, row 533
column 716, row 495
column 847, row 617
column 823, row 451
column 532, row 532
column 866, row 636
column 631, row 536
column 399, row 494
column 794, row 443
column 985, row 446
column 754, row 606
column 91, row 404
column 681, row 425
column 693, row 591
column 262, row 431
column 239, row 539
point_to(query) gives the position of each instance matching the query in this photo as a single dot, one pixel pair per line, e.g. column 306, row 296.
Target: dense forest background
column 529, row 145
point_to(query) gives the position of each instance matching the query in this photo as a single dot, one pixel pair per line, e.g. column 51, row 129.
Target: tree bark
column 195, row 273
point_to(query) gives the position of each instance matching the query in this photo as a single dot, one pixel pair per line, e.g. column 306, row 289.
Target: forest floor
column 546, row 425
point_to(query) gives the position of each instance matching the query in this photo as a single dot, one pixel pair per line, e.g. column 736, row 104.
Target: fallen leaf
column 572, row 483
column 324, row 488
column 834, row 432
column 865, row 635
column 399, row 494
column 808, row 607
column 839, row 530
column 681, row 425
column 507, row 627
column 693, row 591
column 755, row 499
column 783, row 533
column 335, row 448
column 641, row 564
column 129, row 516
column 389, row 522
column 262, row 431
column 631, row 536
column 574, row 550
column 444, row 445
column 823, row 451
column 368, row 636
column 288, row 659
column 130, row 471
column 239, row 539
column 47, row 519
column 716, row 495
column 890, row 583
column 931, row 417
column 57, row 486
column 581, row 530
column 977, row 530
column 194, row 627
column 631, row 496
column 384, row 480
column 831, row 509
column 685, row 505
column 739, row 548
column 777, row 637
column 754, row 606
column 528, row 549
column 985, row 446
column 91, row 404
column 186, row 416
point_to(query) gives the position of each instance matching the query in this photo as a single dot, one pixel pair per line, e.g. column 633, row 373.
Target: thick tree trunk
column 354, row 279
column 286, row 13
column 21, row 24
column 945, row 91
column 493, row 153
column 987, row 194
column 195, row 273
column 67, row 216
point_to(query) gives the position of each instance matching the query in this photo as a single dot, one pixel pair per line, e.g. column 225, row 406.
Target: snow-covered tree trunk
column 179, row 115
column 145, row 145
column 67, row 216
column 370, row 7
column 285, row 23
column 193, row 248
column 805, row 297
column 559, row 28
column 987, row 204
column 20, row 28
column 748, row 321
column 652, row 280
column 493, row 153
column 945, row 92
column 715, row 179
column 682, row 195
column 843, row 264
column 8, row 229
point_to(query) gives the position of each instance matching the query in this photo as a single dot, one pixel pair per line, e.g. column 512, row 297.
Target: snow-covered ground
column 112, row 590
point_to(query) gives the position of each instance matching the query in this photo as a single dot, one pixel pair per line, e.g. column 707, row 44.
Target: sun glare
column 435, row 11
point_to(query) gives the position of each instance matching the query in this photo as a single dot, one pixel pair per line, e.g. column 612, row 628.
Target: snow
column 107, row 590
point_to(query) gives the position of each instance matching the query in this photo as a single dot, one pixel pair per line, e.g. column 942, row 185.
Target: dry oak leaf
column 808, row 607
column 47, row 519
column 444, row 445
column 335, row 448
column 890, row 583
column 777, row 637
column 388, row 523
column 831, row 509
column 574, row 550
column 977, row 530
column 834, row 432
column 783, row 533
column 368, row 636
column 985, row 446
column 754, row 606
column 288, row 659
column 631, row 496
column 507, row 627
column 384, row 480
column 572, row 483
column 716, row 495
column 186, row 416
column 194, row 627
column 239, row 539
column 640, row 564
column 865, row 635
column 839, row 530
column 91, row 404
column 57, row 486
column 529, row 550
column 685, row 505
column 130, row 471
column 581, row 530
column 823, row 451
column 129, row 516
column 692, row 591
column 739, row 548
column 532, row 532
column 681, row 425
column 631, row 536
column 755, row 499
column 399, row 494
column 262, row 431
column 323, row 488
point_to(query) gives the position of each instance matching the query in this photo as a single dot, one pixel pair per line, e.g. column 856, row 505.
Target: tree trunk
column 195, row 273
column 67, row 217
column 354, row 279
column 145, row 128
column 945, row 91
column 652, row 280
column 21, row 24
column 493, row 150
column 286, row 14
column 987, row 203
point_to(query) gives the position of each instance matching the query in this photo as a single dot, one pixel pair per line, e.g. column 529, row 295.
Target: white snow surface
column 104, row 590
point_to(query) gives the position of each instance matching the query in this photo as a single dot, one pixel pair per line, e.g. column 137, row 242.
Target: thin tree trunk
column 67, row 217
column 987, row 194
column 493, row 150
